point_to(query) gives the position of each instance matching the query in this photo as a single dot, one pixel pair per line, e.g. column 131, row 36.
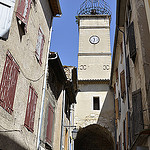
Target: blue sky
column 65, row 31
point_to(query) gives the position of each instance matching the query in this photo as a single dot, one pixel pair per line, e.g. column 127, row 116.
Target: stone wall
column 22, row 47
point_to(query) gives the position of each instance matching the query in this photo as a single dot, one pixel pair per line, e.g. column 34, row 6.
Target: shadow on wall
column 106, row 116
column 46, row 9
column 6, row 143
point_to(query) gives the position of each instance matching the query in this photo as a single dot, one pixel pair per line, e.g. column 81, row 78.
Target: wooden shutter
column 40, row 45
column 122, row 78
column 120, row 142
column 137, row 114
column 117, row 74
column 132, row 44
column 50, row 124
column 8, row 83
column 119, row 103
column 124, row 134
column 114, row 88
column 127, row 128
column 23, row 11
column 128, row 71
column 6, row 13
column 117, row 108
column 31, row 108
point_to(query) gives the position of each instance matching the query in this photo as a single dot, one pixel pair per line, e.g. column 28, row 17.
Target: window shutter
column 127, row 128
column 142, row 148
column 124, row 134
column 114, row 88
column 132, row 44
column 6, row 13
column 120, row 142
column 119, row 103
column 117, row 74
column 40, row 46
column 122, row 77
column 137, row 114
column 8, row 83
column 31, row 108
column 128, row 71
column 117, row 108
column 23, row 11
column 50, row 124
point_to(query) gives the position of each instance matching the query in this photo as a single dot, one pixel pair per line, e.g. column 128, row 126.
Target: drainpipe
column 43, row 94
column 124, row 40
column 62, row 121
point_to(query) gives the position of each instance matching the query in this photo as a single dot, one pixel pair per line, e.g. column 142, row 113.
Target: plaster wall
column 22, row 47
column 58, row 121
column 84, row 40
column 94, row 67
column 95, row 21
column 84, row 113
column 94, row 60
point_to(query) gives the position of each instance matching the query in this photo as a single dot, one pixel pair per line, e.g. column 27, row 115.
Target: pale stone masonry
column 94, row 108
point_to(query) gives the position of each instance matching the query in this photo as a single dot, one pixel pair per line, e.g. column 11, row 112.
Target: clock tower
column 94, row 57
column 94, row 61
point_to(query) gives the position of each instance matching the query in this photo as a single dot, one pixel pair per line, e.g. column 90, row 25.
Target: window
column 124, row 134
column 132, row 43
column 127, row 128
column 96, row 105
column 117, row 108
column 8, row 83
column 128, row 71
column 137, row 114
column 122, row 80
column 117, row 74
column 31, row 108
column 23, row 11
column 120, row 142
column 39, row 46
column 50, row 124
column 6, row 12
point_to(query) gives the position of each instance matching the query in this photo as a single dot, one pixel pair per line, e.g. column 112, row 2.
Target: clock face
column 94, row 39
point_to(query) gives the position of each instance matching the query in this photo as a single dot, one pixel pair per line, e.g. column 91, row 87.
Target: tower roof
column 94, row 7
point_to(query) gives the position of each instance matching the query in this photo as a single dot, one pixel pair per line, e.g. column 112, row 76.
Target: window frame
column 22, row 13
column 4, row 31
column 40, row 45
column 10, row 74
column 94, row 103
column 50, row 124
column 31, row 109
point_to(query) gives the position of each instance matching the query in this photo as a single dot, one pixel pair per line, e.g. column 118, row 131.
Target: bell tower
column 94, row 61
column 94, row 57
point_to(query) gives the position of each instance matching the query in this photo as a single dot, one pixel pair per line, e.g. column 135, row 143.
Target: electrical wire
column 33, row 80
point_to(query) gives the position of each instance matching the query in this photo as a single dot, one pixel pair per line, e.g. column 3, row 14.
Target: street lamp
column 74, row 133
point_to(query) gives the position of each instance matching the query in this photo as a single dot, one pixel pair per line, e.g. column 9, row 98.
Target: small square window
column 96, row 105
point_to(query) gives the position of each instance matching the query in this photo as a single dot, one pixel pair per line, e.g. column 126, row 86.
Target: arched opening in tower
column 94, row 137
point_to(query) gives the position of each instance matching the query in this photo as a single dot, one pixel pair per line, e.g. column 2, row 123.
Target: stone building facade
column 60, row 95
column 25, row 28
column 94, row 108
column 130, row 75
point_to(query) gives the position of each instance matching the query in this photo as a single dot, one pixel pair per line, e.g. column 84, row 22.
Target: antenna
column 94, row 7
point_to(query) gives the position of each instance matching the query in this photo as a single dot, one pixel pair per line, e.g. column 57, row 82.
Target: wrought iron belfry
column 94, row 7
